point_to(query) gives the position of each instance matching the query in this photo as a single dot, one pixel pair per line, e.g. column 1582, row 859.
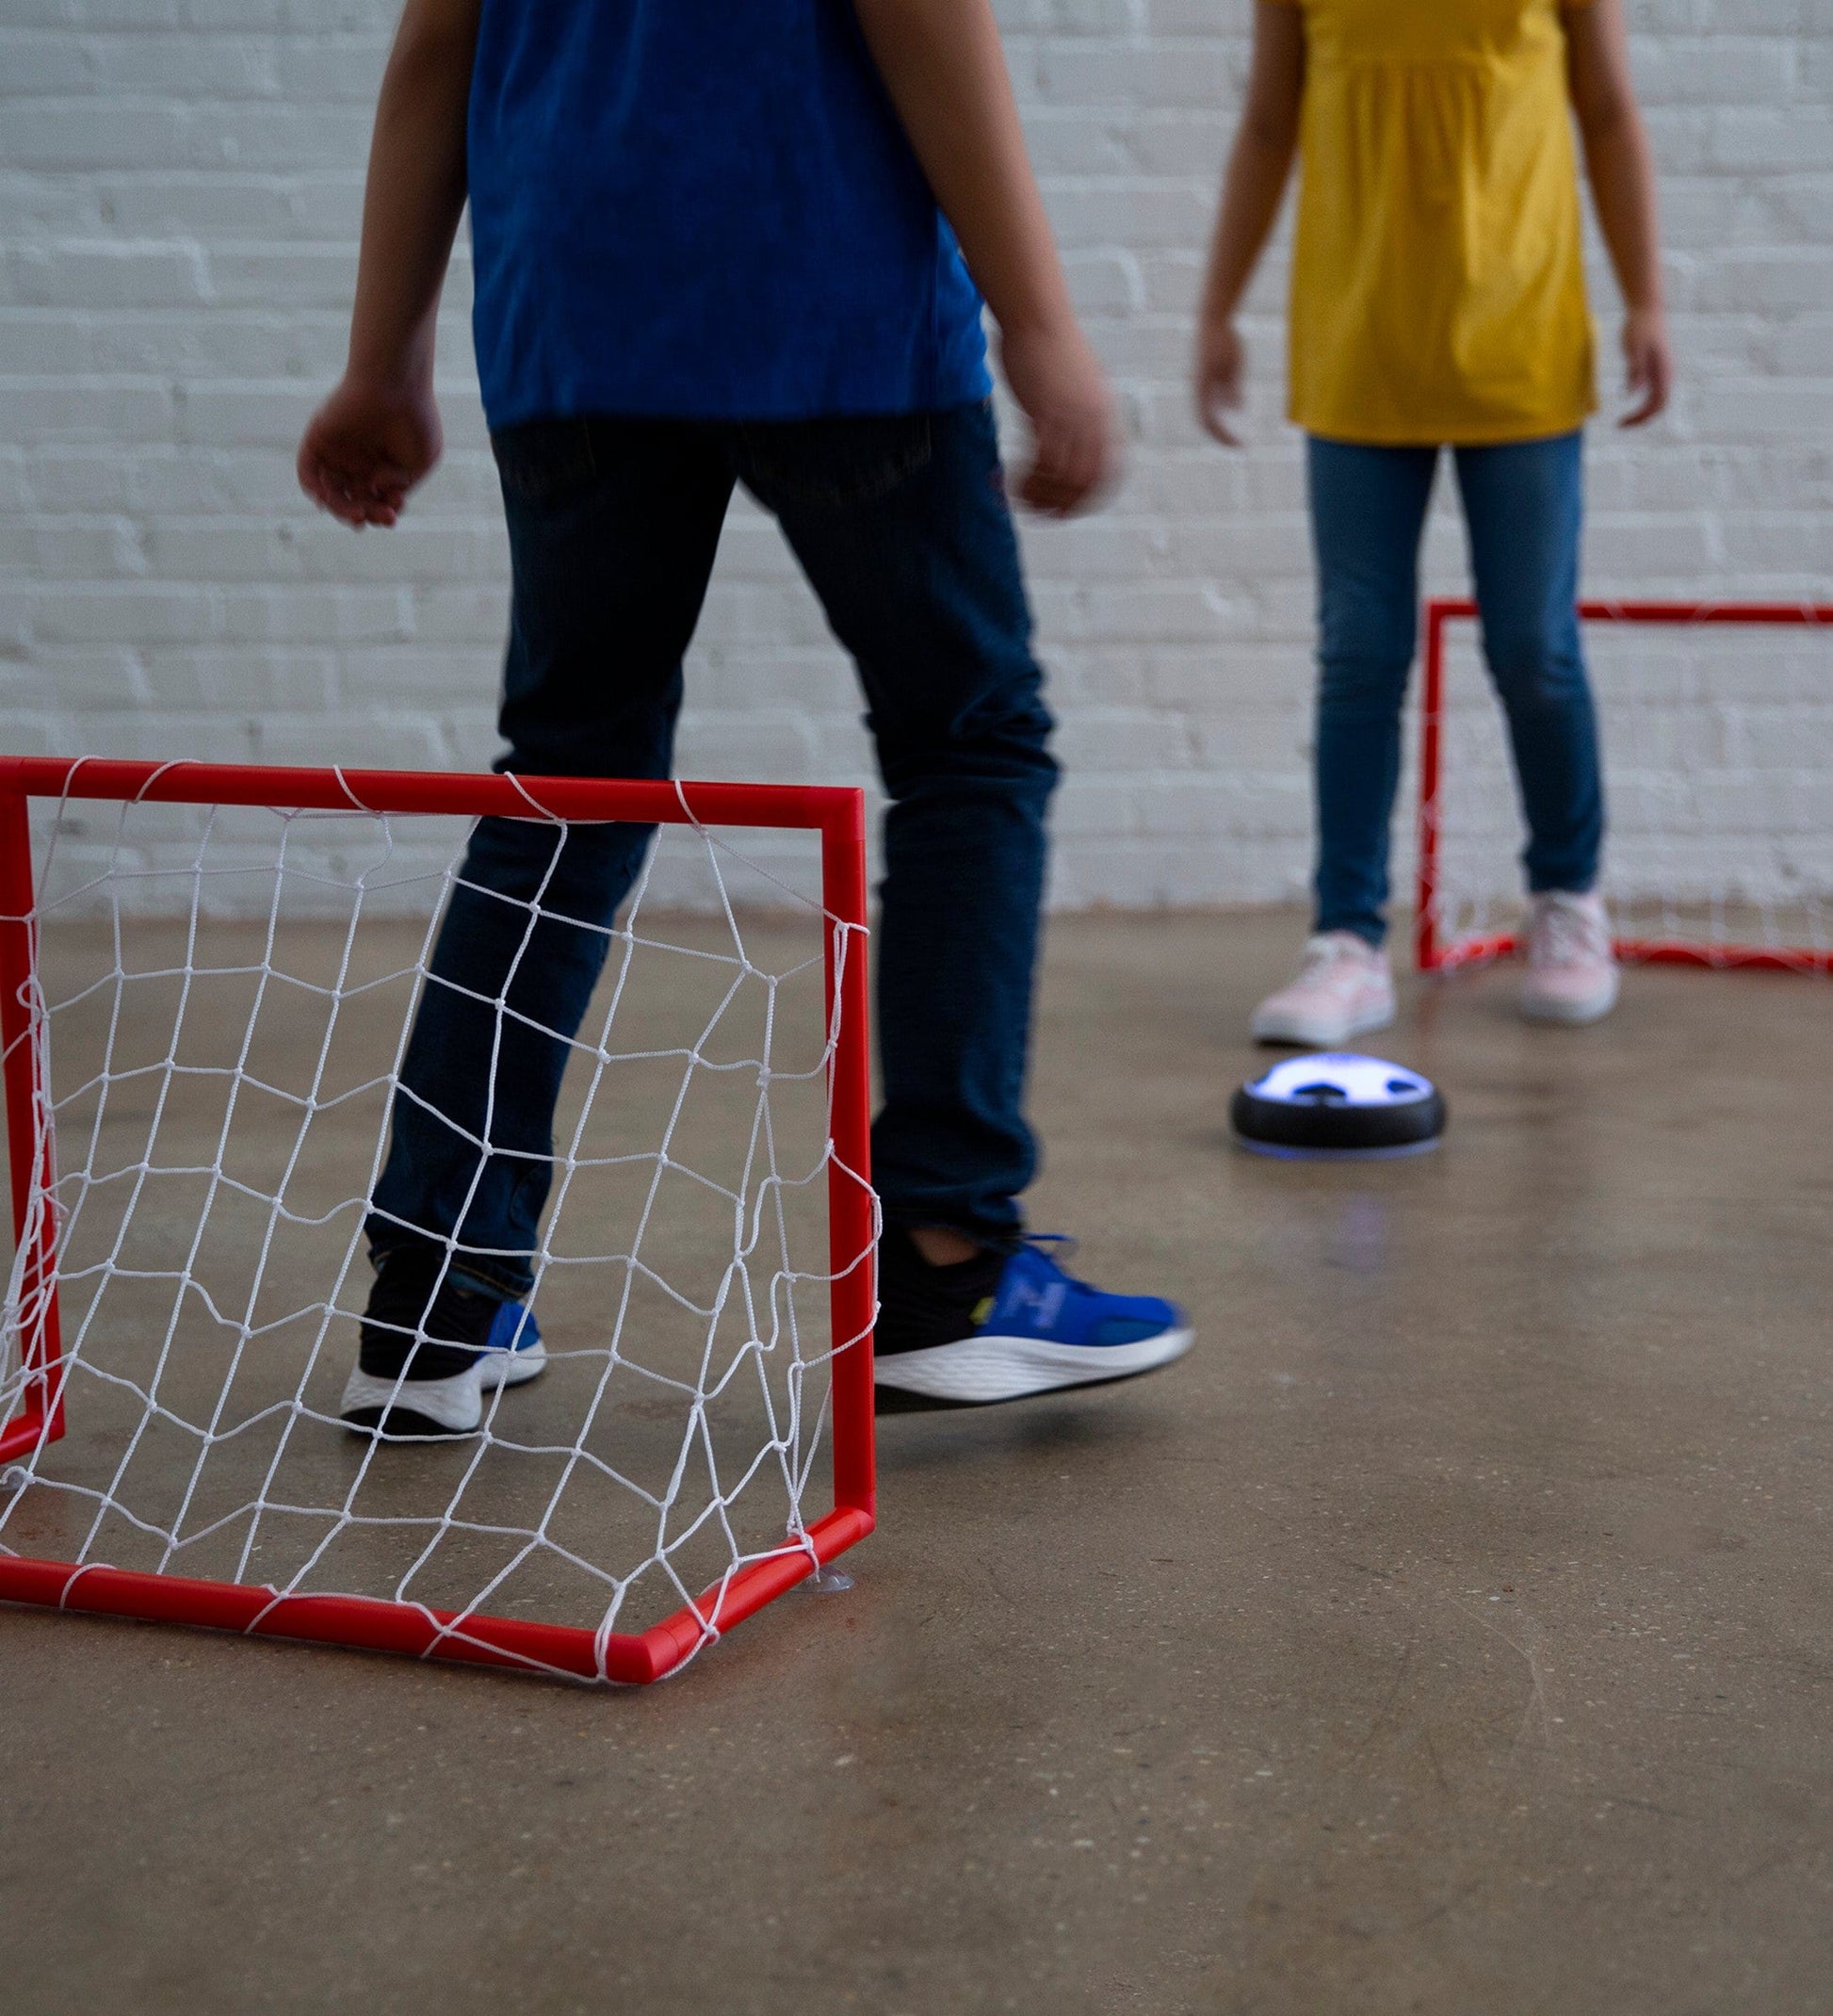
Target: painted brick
column 179, row 194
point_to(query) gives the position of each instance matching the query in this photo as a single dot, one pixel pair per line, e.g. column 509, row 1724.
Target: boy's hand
column 1220, row 367
column 1062, row 391
column 366, row 448
column 1647, row 363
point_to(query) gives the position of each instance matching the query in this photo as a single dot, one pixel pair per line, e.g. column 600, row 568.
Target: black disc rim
column 1327, row 1124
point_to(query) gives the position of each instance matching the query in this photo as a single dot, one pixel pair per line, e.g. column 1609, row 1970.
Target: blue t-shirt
column 705, row 209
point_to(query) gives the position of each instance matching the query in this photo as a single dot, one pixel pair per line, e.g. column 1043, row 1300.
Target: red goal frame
column 1431, row 953
column 377, row 1624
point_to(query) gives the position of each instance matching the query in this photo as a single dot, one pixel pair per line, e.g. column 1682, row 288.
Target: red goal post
column 836, row 814
column 1433, row 953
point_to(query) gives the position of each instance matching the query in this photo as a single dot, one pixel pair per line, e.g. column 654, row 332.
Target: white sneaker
column 1571, row 974
column 1344, row 989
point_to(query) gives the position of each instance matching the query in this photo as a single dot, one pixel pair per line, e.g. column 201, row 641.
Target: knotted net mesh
column 219, row 1008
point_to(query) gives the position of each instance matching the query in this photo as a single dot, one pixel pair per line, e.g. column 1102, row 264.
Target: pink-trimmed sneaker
column 1344, row 989
column 1572, row 974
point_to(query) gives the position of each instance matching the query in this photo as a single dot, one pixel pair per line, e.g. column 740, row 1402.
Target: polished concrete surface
column 1451, row 1631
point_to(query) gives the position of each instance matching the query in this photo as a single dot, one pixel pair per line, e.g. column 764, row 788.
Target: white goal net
column 1716, row 726
column 200, row 1064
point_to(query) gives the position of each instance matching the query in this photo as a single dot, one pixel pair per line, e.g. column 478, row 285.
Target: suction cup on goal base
column 1335, row 1106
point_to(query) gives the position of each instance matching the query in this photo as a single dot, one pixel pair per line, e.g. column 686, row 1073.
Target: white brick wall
column 179, row 195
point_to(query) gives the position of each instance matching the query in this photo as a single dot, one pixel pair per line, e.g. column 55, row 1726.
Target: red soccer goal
column 206, row 974
column 1716, row 720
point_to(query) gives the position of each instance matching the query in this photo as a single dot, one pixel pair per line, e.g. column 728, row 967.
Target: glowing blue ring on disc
column 1335, row 1104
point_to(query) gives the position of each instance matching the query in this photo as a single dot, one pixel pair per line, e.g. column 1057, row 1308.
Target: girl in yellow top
column 1439, row 299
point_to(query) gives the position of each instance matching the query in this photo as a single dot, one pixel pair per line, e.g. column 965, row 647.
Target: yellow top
column 1438, row 279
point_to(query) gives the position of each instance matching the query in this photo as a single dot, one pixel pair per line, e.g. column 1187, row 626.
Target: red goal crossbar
column 1435, row 956
column 837, row 815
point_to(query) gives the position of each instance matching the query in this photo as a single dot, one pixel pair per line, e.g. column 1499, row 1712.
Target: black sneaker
column 418, row 1371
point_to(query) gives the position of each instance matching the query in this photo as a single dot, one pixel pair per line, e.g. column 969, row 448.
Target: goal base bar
column 366, row 1624
column 1646, row 951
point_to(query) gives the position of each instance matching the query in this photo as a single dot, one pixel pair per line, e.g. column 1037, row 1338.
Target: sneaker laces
column 1565, row 933
column 1329, row 962
column 1055, row 1247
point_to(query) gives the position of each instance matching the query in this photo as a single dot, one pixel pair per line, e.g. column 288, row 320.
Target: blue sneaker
column 1001, row 1326
column 513, row 1353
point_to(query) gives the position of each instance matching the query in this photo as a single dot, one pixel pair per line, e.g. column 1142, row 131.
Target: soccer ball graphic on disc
column 1333, row 1105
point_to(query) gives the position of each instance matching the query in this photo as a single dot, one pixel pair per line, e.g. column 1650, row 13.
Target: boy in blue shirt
column 721, row 242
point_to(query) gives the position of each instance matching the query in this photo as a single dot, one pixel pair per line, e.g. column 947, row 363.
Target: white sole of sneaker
column 979, row 1370
column 513, row 1368
column 408, row 1409
column 1571, row 1014
column 1320, row 1035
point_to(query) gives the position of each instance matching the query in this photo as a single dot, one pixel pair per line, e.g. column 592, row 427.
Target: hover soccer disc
column 1322, row 1107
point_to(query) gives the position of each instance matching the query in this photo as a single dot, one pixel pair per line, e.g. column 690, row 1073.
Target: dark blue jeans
column 1523, row 507
column 900, row 523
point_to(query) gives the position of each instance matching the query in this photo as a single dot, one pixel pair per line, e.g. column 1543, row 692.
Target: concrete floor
column 1449, row 1631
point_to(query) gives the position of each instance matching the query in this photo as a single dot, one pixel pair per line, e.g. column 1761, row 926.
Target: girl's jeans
column 1523, row 506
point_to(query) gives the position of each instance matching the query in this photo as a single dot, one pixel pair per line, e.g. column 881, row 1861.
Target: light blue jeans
column 1523, row 506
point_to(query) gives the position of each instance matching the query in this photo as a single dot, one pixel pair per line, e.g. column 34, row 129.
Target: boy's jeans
column 1522, row 505
column 902, row 526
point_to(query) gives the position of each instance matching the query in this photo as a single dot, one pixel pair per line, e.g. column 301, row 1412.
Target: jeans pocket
column 543, row 462
column 836, row 462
